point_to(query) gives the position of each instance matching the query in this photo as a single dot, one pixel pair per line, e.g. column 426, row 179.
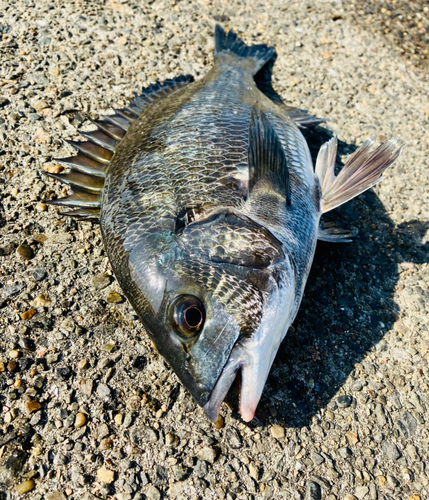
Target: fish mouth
column 253, row 357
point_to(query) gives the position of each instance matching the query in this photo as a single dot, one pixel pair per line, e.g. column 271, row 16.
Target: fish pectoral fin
column 302, row 117
column 362, row 170
column 266, row 156
column 332, row 233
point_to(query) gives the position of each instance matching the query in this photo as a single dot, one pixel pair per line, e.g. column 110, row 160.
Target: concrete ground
column 89, row 410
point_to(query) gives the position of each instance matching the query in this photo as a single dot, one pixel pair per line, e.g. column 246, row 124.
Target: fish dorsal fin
column 267, row 158
column 160, row 90
column 87, row 169
column 363, row 169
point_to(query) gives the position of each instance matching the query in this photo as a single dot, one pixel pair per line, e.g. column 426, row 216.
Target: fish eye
column 188, row 315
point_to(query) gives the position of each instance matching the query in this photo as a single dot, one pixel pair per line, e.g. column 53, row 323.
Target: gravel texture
column 89, row 410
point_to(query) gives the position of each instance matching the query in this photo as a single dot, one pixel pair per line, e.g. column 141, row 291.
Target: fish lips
column 199, row 362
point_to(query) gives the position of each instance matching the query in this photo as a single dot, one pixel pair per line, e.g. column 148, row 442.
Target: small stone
column 42, row 301
column 54, row 169
column 101, row 281
column 361, row 492
column 27, row 343
column 313, row 491
column 103, row 431
column 350, row 497
column 25, row 252
column 12, row 366
column 25, row 486
column 2, row 368
column 392, row 481
column 118, row 419
column 381, row 480
column 36, row 418
column 114, row 297
column 219, row 423
column 352, row 437
column 390, row 450
column 344, row 401
column 105, row 475
column 152, row 493
column 345, row 452
column 80, row 420
column 277, row 431
column 86, row 386
column 28, row 314
column 32, row 406
column 106, row 443
column 10, row 291
column 14, row 354
column 83, row 364
column 52, row 358
column 41, row 207
column 55, row 495
column 233, row 438
column 407, row 424
column 108, row 347
column 317, row 459
column 207, row 454
column 104, row 392
column 39, row 274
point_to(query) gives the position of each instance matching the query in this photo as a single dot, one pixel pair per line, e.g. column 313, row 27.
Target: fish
column 210, row 211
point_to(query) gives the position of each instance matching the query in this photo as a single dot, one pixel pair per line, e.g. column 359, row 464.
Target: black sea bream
column 209, row 207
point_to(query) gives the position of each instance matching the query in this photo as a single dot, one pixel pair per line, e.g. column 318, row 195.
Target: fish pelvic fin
column 260, row 54
column 363, row 170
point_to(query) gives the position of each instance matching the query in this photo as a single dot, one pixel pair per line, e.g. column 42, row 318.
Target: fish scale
column 210, row 210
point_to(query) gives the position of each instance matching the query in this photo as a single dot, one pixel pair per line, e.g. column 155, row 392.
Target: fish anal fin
column 332, row 233
column 266, row 156
column 363, row 170
column 302, row 117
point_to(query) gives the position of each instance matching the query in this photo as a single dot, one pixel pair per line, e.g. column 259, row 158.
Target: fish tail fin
column 362, row 170
column 260, row 54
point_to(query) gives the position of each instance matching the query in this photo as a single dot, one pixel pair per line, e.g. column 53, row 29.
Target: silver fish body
column 210, row 215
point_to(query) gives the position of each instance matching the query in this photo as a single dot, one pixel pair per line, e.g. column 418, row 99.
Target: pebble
column 313, row 491
column 207, row 454
column 104, row 392
column 233, row 438
column 344, row 401
column 106, row 444
column 118, row 419
column 55, row 495
column 12, row 366
column 39, row 274
column 24, row 487
column 352, row 437
column 80, row 420
column 105, row 475
column 152, row 493
column 114, row 297
column 42, row 301
column 83, row 364
column 28, row 314
column 25, row 252
column 390, row 450
column 277, row 431
column 14, row 354
column 101, row 281
column 32, row 406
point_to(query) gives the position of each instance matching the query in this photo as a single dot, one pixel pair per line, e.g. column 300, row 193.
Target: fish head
column 212, row 306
